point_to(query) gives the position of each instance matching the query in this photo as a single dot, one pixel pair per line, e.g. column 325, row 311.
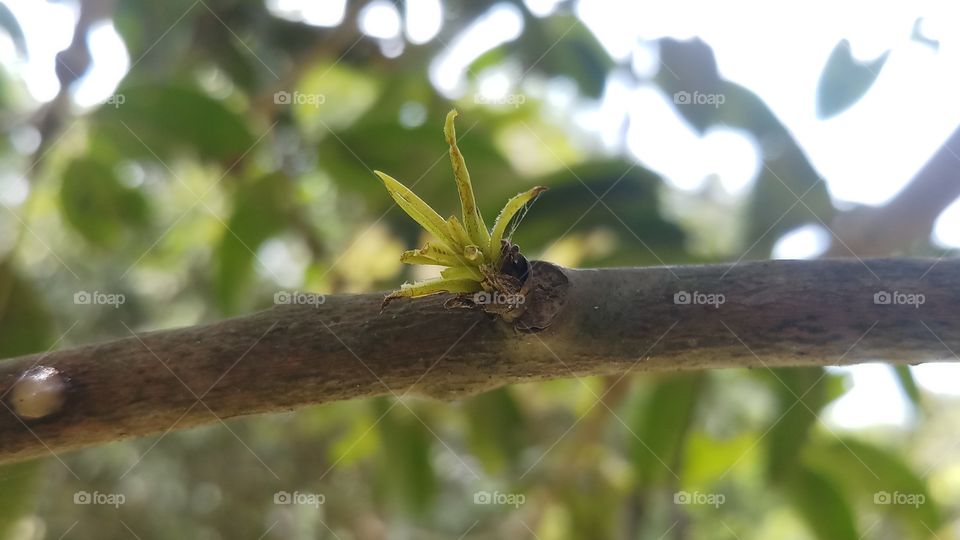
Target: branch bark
column 774, row 313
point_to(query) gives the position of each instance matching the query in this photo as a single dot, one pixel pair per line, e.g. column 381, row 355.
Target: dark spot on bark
column 545, row 294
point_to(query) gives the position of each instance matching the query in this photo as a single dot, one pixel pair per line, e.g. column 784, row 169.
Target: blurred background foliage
column 234, row 160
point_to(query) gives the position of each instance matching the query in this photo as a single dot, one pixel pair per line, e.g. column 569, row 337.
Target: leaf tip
column 449, row 130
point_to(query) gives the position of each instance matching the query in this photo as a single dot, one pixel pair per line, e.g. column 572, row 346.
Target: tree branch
column 909, row 216
column 774, row 313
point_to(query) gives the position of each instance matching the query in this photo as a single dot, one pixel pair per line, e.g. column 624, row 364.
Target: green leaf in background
column 151, row 31
column 261, row 210
column 662, row 426
column 821, row 504
column 97, row 205
column 496, row 430
column 876, row 477
column 406, row 468
column 907, row 383
column 708, row 458
column 591, row 503
column 25, row 323
column 18, row 482
column 845, row 80
column 223, row 49
column 156, row 121
column 573, row 51
column 332, row 97
column 801, row 394
column 630, row 210
column 25, row 327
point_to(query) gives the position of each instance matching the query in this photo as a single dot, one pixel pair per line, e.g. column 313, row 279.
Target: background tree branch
column 908, row 217
column 771, row 314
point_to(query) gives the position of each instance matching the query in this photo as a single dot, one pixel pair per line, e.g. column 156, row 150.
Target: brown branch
column 775, row 313
column 909, row 217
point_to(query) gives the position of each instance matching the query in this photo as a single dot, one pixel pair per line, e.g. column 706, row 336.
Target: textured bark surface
column 774, row 313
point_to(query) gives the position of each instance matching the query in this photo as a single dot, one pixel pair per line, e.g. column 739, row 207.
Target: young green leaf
column 472, row 256
column 506, row 215
column 472, row 221
column 418, row 210
column 435, row 286
column 462, row 272
column 430, row 254
column 458, row 233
